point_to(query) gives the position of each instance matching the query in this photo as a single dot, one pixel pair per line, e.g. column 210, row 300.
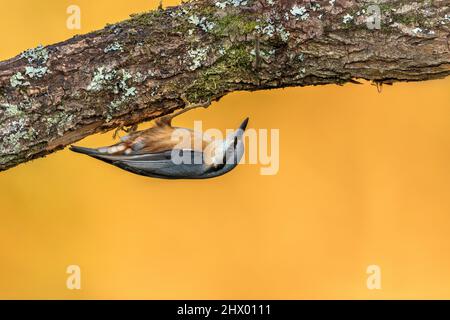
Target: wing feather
column 166, row 168
column 158, row 165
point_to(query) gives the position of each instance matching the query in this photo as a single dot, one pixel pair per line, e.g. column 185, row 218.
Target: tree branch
column 139, row 69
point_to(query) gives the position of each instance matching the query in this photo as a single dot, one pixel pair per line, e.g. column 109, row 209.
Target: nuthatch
column 155, row 153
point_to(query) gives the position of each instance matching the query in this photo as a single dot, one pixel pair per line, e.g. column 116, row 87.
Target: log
column 142, row 68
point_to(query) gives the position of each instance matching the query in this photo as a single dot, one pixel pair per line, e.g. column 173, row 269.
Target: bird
column 155, row 153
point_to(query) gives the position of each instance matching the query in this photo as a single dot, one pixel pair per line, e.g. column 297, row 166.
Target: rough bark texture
column 139, row 69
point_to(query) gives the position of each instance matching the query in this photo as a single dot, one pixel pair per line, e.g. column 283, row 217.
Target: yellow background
column 364, row 179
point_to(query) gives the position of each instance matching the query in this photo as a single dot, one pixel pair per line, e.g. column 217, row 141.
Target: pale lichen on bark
column 139, row 69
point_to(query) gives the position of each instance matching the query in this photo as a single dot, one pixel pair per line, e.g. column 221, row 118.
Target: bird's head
column 234, row 145
column 226, row 154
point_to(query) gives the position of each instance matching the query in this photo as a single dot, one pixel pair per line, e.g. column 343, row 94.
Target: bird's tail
column 99, row 154
column 86, row 151
column 94, row 153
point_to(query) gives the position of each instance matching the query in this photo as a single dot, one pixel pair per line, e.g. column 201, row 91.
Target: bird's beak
column 244, row 124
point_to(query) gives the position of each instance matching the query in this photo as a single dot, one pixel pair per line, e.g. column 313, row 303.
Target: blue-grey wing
column 163, row 169
column 171, row 164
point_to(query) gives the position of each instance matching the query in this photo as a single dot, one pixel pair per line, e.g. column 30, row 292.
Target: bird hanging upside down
column 155, row 153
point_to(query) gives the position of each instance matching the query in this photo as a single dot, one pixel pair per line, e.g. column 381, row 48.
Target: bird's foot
column 126, row 129
column 189, row 105
column 167, row 120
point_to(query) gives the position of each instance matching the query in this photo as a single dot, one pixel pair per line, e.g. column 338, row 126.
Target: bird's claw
column 126, row 129
column 189, row 105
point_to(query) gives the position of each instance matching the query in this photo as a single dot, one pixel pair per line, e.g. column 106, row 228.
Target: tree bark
column 141, row 68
